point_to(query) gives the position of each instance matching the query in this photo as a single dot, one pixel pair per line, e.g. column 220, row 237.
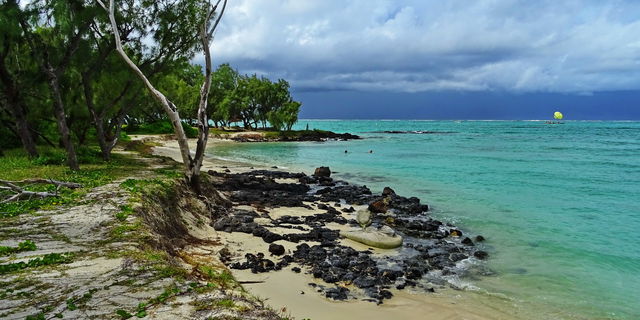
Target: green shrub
column 51, row 157
column 159, row 127
column 124, row 137
column 85, row 155
column 88, row 155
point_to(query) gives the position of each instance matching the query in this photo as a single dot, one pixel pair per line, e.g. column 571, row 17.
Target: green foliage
column 251, row 100
column 71, row 305
column 39, row 316
column 124, row 214
column 166, row 294
column 12, row 209
column 46, row 260
column 138, row 186
column 160, row 127
column 123, row 314
column 50, row 156
column 26, row 245
column 220, row 277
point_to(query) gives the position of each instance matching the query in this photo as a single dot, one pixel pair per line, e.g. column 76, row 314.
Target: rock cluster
column 430, row 245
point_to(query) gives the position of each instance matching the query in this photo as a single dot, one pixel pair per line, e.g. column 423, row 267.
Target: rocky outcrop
column 429, row 245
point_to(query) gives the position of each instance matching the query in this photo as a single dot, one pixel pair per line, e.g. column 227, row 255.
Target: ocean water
column 558, row 204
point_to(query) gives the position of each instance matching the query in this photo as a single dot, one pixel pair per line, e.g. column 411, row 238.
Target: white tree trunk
column 192, row 164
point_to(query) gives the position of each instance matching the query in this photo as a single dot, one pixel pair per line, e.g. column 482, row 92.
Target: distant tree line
column 63, row 83
column 235, row 99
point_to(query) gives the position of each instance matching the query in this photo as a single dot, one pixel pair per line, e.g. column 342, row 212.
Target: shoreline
column 446, row 303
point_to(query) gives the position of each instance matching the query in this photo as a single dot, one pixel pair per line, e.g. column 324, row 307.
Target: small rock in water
column 274, row 167
column 479, row 238
column 388, row 192
column 481, row 254
column 467, row 241
column 322, row 172
column 296, row 269
column 276, row 249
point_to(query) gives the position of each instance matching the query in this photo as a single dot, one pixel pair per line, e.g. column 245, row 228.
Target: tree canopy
column 63, row 84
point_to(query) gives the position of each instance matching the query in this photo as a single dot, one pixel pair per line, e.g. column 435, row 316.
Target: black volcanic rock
column 276, row 249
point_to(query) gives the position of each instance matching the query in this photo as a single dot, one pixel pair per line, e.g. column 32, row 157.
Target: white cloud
column 525, row 46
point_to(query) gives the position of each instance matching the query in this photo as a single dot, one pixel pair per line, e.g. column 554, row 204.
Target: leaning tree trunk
column 192, row 165
column 61, row 118
column 97, row 118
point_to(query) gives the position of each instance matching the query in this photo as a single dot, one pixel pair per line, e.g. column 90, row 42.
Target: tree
column 285, row 116
column 53, row 32
column 10, row 40
column 207, row 26
column 223, row 82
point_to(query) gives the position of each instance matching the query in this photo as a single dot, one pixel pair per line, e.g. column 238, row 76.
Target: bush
column 51, row 157
column 88, row 155
column 159, row 127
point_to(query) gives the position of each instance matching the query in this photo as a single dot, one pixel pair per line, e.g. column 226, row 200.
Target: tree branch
column 20, row 193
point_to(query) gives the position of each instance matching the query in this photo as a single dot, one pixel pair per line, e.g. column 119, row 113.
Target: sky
column 422, row 59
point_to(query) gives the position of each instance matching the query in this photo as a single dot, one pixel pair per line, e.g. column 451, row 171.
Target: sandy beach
column 290, row 292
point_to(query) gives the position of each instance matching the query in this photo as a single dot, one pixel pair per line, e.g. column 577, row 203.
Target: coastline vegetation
column 65, row 84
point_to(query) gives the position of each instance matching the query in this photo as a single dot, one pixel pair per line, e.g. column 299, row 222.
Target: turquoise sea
column 559, row 204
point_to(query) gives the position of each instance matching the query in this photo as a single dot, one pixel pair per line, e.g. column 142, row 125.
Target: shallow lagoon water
column 559, row 204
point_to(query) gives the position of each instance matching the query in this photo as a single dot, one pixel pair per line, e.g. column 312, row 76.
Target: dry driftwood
column 19, row 192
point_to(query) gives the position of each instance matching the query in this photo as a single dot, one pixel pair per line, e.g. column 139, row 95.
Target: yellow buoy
column 557, row 115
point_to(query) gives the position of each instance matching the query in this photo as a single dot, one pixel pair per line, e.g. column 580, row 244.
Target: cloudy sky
column 414, row 54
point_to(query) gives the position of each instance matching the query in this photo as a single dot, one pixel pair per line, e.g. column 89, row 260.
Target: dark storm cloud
column 418, row 46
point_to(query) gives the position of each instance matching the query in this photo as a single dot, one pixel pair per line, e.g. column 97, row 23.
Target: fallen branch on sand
column 19, row 192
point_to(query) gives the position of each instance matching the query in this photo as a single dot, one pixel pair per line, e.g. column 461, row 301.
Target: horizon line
column 391, row 119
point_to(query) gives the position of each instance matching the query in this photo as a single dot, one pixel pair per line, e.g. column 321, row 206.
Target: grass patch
column 26, row 245
column 120, row 232
column 140, row 186
column 46, row 260
column 141, row 310
column 172, row 173
column 125, row 213
column 221, row 278
column 16, row 166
